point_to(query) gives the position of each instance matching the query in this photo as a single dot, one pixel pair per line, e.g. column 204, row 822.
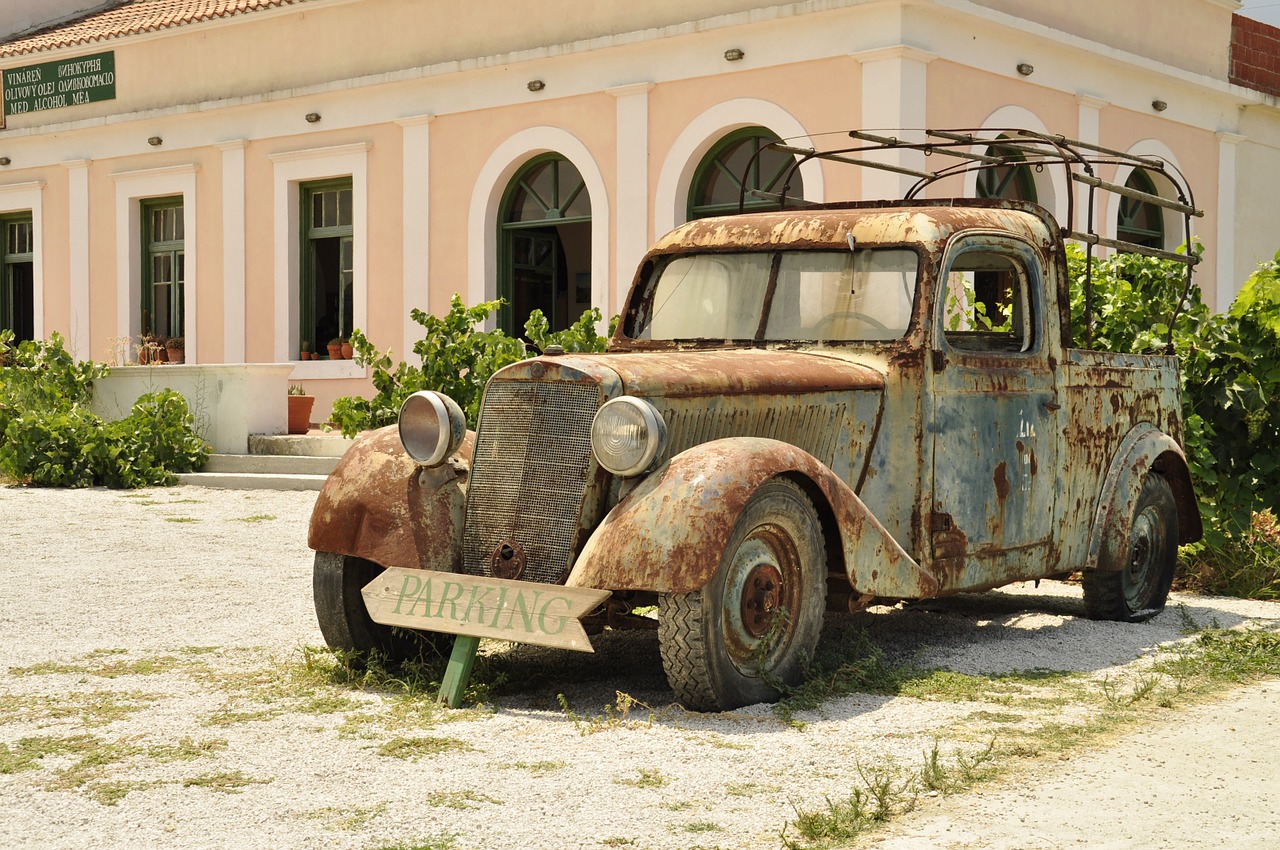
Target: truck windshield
column 863, row 295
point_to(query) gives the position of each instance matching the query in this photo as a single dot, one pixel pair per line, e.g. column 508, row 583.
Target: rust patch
column 1001, row 478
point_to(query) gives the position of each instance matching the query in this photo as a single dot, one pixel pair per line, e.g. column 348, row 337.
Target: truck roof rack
column 1016, row 147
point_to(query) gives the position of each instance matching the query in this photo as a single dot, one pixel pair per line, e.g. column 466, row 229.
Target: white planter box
column 230, row 401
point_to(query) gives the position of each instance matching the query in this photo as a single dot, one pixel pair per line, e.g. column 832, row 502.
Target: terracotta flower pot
column 300, row 413
column 347, row 351
column 335, row 352
column 176, row 355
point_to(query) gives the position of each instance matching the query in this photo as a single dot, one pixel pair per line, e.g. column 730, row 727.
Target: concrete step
column 313, row 444
column 271, row 464
column 253, row 480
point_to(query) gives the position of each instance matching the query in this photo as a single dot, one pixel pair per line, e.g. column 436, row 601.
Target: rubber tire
column 345, row 622
column 1137, row 590
column 694, row 628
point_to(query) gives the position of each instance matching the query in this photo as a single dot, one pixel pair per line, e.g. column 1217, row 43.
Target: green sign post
column 53, row 85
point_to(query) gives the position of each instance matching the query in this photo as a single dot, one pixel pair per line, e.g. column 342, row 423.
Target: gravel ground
column 153, row 693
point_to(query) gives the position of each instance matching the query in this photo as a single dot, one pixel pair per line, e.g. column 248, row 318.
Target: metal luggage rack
column 1024, row 148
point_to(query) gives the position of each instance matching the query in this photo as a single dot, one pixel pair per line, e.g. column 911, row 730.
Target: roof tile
column 132, row 17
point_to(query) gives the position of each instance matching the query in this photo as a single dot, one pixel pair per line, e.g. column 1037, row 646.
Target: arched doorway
column 719, row 181
column 544, row 244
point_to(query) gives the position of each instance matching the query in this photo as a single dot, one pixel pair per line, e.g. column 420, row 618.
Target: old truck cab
column 801, row 410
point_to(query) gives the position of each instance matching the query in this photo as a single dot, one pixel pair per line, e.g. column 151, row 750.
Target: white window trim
column 133, row 187
column 486, row 200
column 28, row 197
column 671, row 200
column 291, row 170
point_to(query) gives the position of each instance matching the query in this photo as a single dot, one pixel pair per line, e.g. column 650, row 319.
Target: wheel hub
column 761, row 596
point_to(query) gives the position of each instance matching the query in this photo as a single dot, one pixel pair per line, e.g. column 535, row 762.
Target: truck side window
column 987, row 304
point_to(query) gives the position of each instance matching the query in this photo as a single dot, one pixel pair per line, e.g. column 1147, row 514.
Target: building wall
column 434, row 129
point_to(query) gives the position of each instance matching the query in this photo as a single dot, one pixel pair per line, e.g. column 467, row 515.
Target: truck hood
column 693, row 374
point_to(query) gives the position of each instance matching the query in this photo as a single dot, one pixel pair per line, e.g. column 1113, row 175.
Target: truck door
column 994, row 404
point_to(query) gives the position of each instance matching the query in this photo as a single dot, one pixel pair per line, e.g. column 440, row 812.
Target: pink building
column 256, row 175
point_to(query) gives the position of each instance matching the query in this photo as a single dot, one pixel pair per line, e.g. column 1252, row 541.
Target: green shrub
column 454, row 358
column 1230, row 369
column 49, row 437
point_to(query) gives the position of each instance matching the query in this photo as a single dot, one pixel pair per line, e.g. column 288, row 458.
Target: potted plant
column 306, row 350
column 150, row 349
column 176, row 348
column 335, row 348
column 299, row 409
column 347, row 351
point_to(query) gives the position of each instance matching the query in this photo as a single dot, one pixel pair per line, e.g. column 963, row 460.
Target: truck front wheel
column 345, row 622
column 1137, row 589
column 752, row 629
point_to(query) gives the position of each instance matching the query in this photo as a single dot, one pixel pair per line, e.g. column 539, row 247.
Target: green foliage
column 1230, row 367
column 454, row 358
column 49, row 437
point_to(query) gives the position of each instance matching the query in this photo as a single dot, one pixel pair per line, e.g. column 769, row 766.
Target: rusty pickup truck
column 801, row 410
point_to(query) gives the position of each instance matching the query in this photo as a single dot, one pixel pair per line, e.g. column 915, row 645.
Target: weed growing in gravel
column 25, row 754
column 617, row 841
column 353, row 818
column 460, row 799
column 648, row 777
column 616, row 715
column 446, row 841
column 181, row 519
column 90, row 708
column 108, row 664
column 883, row 796
column 702, row 826
column 256, row 518
column 416, row 748
column 749, row 789
column 540, row 768
column 187, row 750
column 111, row 792
column 91, row 767
column 227, row 781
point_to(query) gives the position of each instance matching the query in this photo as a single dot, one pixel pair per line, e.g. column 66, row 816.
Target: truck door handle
column 1051, row 406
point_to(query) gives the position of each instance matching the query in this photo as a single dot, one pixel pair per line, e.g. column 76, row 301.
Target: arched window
column 1140, row 222
column 544, row 233
column 1014, row 182
column 718, row 180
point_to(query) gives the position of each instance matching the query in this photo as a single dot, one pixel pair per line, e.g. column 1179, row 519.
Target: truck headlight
column 628, row 434
column 432, row 426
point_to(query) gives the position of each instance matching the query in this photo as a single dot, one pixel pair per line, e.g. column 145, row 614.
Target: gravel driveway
column 154, row 692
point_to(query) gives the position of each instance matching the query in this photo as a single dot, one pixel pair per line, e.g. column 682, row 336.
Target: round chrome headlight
column 432, row 426
column 627, row 435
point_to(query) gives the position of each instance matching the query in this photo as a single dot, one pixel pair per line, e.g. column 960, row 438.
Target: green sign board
column 53, row 85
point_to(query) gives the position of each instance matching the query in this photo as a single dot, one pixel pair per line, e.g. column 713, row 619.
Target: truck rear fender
column 380, row 505
column 1144, row 448
column 669, row 533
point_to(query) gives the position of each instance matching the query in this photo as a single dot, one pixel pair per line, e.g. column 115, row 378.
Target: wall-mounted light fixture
column 1026, row 69
column 1159, row 105
column 4, row 160
column 733, row 54
column 155, row 141
column 312, row 117
column 536, row 85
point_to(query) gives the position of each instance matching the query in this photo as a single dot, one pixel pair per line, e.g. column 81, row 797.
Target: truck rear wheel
column 752, row 630
column 1137, row 589
column 345, row 622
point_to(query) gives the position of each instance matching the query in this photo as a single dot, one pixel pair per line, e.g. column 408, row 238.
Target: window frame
column 309, row 234
column 8, row 319
column 152, row 248
column 712, row 159
column 1024, row 256
column 1129, row 209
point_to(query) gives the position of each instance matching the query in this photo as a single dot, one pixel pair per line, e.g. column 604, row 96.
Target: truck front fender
column 1144, row 448
column 669, row 533
column 381, row 506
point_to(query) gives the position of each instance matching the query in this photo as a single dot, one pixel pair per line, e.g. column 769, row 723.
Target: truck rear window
column 863, row 295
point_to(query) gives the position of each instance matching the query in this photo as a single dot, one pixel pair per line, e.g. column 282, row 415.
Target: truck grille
column 813, row 427
column 529, row 475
